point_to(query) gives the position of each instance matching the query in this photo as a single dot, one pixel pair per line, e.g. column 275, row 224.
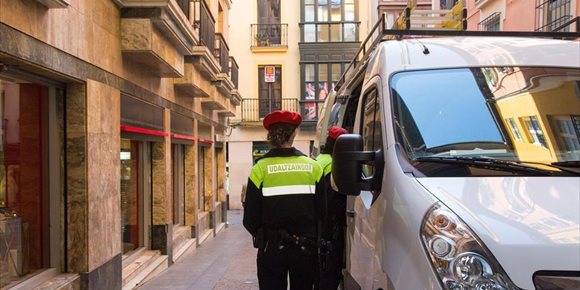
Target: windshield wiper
column 488, row 162
column 569, row 163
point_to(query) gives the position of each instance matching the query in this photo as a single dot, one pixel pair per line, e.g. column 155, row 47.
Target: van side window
column 371, row 127
column 349, row 113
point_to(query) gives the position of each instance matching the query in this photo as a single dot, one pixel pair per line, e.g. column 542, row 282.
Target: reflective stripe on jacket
column 281, row 192
column 325, row 161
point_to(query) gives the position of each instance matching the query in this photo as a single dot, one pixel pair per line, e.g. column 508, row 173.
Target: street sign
column 270, row 74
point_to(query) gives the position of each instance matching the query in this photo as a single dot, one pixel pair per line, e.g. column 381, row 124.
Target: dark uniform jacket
column 281, row 193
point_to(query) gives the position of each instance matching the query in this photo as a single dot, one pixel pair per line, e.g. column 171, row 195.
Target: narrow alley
column 226, row 262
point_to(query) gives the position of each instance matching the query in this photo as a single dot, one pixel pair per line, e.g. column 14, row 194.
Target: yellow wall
column 541, row 105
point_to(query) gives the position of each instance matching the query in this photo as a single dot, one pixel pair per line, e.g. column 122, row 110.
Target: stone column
column 162, row 194
column 221, row 173
column 191, row 187
column 93, row 185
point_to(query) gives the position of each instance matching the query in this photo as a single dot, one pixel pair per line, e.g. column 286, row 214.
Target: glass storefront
column 130, row 194
column 178, row 161
column 26, row 214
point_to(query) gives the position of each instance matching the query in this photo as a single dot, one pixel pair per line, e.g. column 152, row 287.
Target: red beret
column 334, row 132
column 282, row 116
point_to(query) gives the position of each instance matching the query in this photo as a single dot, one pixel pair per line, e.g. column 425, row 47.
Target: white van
column 463, row 166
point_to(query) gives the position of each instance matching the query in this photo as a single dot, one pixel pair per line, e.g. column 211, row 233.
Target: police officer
column 334, row 221
column 280, row 208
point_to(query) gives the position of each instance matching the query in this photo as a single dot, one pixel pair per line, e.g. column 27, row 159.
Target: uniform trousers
column 331, row 275
column 274, row 266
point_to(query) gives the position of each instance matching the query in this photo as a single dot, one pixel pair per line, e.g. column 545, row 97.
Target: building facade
column 523, row 15
column 112, row 150
column 290, row 53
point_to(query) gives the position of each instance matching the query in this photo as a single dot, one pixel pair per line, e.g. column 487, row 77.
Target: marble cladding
column 93, row 119
column 140, row 37
column 162, row 176
column 208, row 179
column 203, row 222
column 35, row 24
column 221, row 165
column 190, row 184
column 94, row 24
column 103, row 172
column 193, row 76
column 77, row 203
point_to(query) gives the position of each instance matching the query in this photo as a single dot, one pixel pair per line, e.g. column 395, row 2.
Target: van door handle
column 350, row 213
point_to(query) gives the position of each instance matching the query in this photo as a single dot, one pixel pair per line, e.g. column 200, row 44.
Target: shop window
column 200, row 179
column 131, row 195
column 30, row 186
column 141, row 130
column 178, row 161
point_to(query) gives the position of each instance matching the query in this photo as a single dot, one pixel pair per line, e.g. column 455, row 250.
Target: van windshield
column 521, row 114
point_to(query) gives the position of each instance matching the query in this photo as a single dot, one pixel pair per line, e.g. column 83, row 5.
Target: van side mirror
column 347, row 160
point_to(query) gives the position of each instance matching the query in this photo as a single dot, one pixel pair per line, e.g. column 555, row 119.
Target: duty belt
column 281, row 239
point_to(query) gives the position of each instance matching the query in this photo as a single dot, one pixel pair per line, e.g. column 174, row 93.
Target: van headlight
column 458, row 256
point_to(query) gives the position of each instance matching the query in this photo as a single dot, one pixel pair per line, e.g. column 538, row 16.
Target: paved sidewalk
column 226, row 262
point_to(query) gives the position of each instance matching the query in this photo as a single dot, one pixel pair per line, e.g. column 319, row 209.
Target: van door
column 362, row 223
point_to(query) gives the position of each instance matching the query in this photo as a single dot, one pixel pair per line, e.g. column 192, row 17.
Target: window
column 269, row 30
column 130, row 210
column 514, row 129
column 535, row 133
column 329, row 21
column 490, row 23
column 319, row 80
column 553, row 15
column 178, row 160
column 31, row 170
column 567, row 129
column 200, row 177
column 371, row 127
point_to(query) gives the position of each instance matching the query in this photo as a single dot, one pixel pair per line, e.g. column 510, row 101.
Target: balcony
column 236, row 98
column 254, row 110
column 234, row 68
column 269, row 37
column 552, row 16
column 157, row 34
column 222, row 54
column 204, row 54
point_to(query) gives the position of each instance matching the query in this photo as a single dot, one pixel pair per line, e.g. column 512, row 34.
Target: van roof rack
column 450, row 22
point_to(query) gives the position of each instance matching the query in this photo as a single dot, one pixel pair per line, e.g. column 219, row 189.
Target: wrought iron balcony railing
column 270, row 35
column 222, row 53
column 490, row 23
column 234, row 68
column 204, row 21
column 554, row 16
column 254, row 110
